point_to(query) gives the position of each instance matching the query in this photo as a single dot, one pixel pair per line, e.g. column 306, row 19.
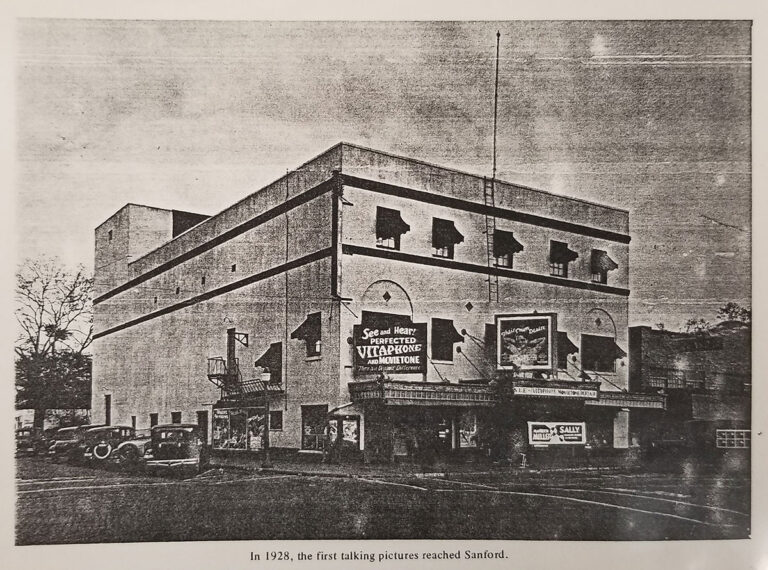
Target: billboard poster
column 393, row 349
column 525, row 342
column 557, row 433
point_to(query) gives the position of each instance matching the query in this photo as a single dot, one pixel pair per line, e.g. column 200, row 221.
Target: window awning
column 444, row 233
column 309, row 330
column 504, row 243
column 559, row 252
column 601, row 262
column 564, row 344
column 445, row 331
column 376, row 320
column 389, row 224
column 272, row 359
column 604, row 346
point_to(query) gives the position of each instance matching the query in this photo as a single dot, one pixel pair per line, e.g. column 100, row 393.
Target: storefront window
column 350, row 433
column 468, row 430
column 220, row 429
column 238, row 429
column 255, row 429
column 313, row 423
column 237, row 426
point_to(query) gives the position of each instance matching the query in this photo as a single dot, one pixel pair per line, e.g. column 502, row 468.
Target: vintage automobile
column 29, row 441
column 174, row 447
column 99, row 443
column 66, row 440
column 130, row 453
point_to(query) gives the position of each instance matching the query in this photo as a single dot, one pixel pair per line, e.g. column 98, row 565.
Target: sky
column 650, row 116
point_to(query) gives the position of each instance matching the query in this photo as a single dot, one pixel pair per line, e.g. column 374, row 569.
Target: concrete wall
column 135, row 231
column 160, row 365
column 444, row 292
column 376, row 165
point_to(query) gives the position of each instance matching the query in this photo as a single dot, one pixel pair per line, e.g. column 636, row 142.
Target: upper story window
column 444, row 237
column 505, row 246
column 310, row 331
column 601, row 264
column 599, row 353
column 444, row 335
column 389, row 227
column 559, row 258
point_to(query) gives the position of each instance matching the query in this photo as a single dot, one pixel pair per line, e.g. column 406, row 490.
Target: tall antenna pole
column 495, row 104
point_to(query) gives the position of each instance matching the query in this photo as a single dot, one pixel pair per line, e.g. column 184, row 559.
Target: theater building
column 411, row 309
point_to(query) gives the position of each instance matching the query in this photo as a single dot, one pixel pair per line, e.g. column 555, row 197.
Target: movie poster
column 557, row 433
column 525, row 342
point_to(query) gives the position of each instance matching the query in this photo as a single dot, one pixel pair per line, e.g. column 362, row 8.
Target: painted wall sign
column 525, row 342
column 554, row 392
column 557, row 433
column 395, row 349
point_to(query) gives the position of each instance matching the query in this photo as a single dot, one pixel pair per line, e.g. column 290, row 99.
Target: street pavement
column 60, row 504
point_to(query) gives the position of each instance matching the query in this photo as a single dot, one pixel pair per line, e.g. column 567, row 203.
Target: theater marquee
column 526, row 342
column 395, row 349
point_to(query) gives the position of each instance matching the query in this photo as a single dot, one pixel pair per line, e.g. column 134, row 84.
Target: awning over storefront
column 564, row 344
column 402, row 393
column 556, row 389
column 559, row 252
column 629, row 400
column 350, row 409
column 445, row 234
column 389, row 224
column 601, row 262
column 250, row 390
column 504, row 243
column 713, row 407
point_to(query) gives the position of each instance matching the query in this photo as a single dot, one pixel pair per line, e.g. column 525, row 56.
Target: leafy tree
column 697, row 326
column 734, row 312
column 54, row 313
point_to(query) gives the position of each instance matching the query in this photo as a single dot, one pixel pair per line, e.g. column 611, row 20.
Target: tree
column 54, row 312
column 734, row 312
column 697, row 326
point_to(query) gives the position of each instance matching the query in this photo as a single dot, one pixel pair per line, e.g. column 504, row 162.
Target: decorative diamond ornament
column 386, row 296
column 469, row 306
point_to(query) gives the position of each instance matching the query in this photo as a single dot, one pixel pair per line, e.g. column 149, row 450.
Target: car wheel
column 130, row 458
column 102, row 450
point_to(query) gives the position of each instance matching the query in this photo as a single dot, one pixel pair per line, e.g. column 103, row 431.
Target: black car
column 176, row 446
column 100, row 443
column 66, row 441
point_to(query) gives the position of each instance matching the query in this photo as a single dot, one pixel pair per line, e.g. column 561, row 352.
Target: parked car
column 66, row 440
column 29, row 441
column 99, row 443
column 130, row 453
column 175, row 447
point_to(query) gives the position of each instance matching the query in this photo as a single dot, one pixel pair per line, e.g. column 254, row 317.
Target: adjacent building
column 707, row 379
column 388, row 305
